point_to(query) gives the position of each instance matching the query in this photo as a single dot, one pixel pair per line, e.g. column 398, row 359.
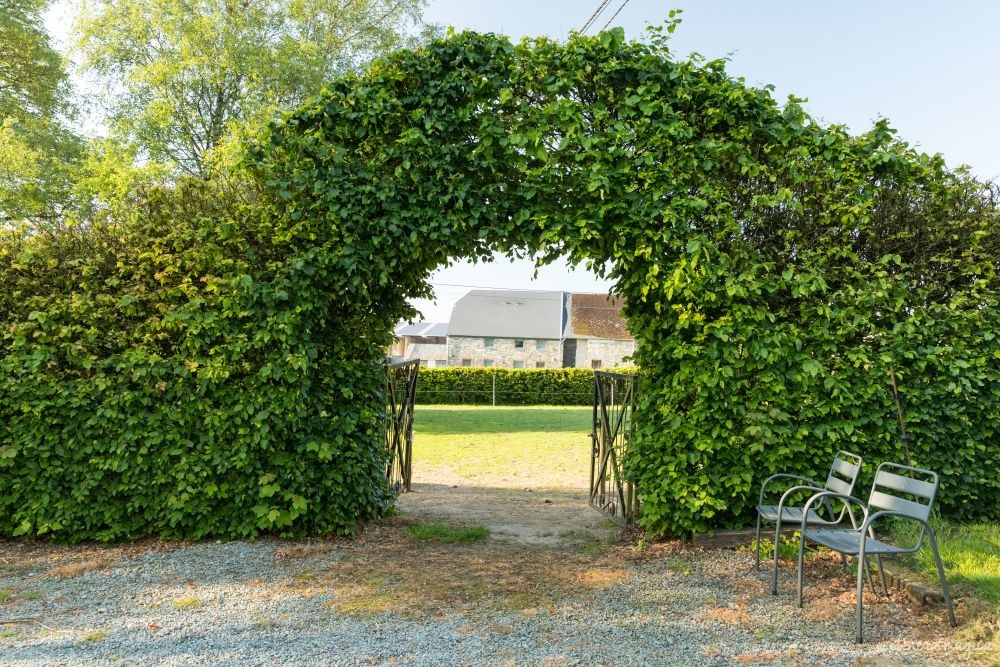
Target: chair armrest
column 782, row 475
column 796, row 489
column 866, row 526
column 831, row 494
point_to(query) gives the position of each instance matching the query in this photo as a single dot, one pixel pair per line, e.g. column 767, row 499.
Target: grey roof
column 422, row 329
column 508, row 314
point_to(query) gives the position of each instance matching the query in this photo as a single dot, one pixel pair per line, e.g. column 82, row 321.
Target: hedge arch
column 773, row 268
column 210, row 366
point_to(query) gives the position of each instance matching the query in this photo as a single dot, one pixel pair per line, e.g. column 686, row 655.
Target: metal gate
column 400, row 389
column 614, row 403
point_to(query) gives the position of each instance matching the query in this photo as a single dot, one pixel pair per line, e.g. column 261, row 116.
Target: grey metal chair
column 843, row 476
column 892, row 495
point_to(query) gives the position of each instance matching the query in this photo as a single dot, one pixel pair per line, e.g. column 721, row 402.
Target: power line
column 593, row 17
column 615, row 15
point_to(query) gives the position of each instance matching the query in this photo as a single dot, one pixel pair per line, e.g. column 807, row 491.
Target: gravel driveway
column 387, row 599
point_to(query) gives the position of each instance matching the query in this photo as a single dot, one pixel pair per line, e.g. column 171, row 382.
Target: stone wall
column 610, row 353
column 504, row 353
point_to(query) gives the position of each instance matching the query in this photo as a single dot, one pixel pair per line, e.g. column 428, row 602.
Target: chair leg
column 944, row 582
column 802, row 547
column 850, row 513
column 757, row 541
column 881, row 572
column 862, row 571
column 868, row 576
column 774, row 571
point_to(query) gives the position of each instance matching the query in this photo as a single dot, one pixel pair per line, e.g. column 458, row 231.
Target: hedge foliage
column 180, row 374
column 210, row 366
column 774, row 268
column 534, row 386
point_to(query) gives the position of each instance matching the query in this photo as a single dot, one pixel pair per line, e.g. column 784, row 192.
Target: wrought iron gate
column 400, row 389
column 614, row 403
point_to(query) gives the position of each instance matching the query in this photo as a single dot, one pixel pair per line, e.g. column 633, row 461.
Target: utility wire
column 615, row 15
column 593, row 17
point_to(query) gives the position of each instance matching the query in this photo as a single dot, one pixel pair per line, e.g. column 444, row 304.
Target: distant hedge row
column 475, row 386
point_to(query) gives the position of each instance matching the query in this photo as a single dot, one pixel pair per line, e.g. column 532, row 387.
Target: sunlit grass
column 441, row 532
column 550, row 444
column 970, row 552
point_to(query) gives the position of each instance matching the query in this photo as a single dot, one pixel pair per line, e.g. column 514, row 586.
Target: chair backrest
column 912, row 494
column 843, row 473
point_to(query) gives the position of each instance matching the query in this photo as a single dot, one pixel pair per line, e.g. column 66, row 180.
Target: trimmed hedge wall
column 179, row 373
column 541, row 386
column 211, row 365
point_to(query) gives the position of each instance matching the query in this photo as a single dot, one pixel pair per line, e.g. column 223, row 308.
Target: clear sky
column 931, row 68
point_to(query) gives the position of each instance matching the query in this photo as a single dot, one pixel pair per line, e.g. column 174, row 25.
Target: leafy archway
column 210, row 365
column 773, row 268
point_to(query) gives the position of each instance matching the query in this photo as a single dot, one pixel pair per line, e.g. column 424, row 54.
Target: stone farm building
column 522, row 329
column 422, row 340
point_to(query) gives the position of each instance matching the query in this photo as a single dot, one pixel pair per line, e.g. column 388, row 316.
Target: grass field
column 970, row 552
column 971, row 556
column 551, row 445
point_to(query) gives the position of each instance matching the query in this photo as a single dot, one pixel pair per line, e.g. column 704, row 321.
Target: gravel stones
column 245, row 604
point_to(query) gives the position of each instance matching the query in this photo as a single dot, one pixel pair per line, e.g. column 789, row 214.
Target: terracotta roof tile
column 597, row 316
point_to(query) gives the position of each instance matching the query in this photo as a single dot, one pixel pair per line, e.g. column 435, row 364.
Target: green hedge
column 773, row 268
column 175, row 373
column 542, row 386
column 210, row 366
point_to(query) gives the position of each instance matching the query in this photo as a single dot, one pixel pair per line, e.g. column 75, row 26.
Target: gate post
column 400, row 392
column 614, row 404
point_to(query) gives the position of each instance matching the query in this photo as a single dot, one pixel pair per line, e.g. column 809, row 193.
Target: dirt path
column 556, row 514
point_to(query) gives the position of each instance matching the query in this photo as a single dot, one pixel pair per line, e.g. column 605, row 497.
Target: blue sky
column 932, row 69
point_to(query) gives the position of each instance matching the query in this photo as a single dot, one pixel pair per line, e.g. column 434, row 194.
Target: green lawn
column 440, row 532
column 971, row 556
column 549, row 444
column 970, row 552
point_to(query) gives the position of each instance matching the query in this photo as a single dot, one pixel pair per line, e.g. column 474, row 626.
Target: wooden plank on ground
column 724, row 539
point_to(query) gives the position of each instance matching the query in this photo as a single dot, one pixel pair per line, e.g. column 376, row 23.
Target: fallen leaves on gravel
column 389, row 571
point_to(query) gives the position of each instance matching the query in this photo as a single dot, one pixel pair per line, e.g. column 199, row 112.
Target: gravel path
column 241, row 604
column 387, row 599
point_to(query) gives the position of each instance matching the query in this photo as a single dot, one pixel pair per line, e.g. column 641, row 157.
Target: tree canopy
column 38, row 150
column 188, row 80
column 31, row 71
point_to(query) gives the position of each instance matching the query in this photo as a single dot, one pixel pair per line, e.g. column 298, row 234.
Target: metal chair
column 892, row 495
column 843, row 475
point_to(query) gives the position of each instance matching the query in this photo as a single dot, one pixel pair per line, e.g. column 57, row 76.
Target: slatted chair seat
column 843, row 475
column 849, row 542
column 898, row 491
column 792, row 515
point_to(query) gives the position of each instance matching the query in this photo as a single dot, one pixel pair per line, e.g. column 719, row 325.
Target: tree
column 31, row 73
column 189, row 79
column 38, row 151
